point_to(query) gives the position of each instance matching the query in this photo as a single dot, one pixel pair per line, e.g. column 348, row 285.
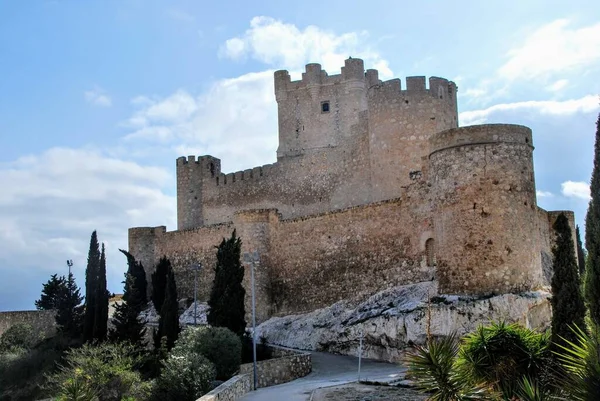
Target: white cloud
column 97, row 97
column 544, row 194
column 284, row 45
column 51, row 202
column 576, row 189
column 554, row 47
column 558, row 85
column 585, row 104
column 235, row 120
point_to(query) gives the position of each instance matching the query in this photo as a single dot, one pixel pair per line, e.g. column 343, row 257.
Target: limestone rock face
column 394, row 319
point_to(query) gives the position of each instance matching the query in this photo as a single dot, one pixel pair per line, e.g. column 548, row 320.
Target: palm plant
column 581, row 360
column 433, row 368
column 502, row 354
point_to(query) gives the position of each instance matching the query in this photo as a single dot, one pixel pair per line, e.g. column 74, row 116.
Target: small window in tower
column 211, row 166
column 430, row 252
column 325, row 107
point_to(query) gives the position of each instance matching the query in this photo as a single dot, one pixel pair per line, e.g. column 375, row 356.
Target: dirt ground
column 362, row 392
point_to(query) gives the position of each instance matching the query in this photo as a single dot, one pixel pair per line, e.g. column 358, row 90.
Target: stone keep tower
column 485, row 212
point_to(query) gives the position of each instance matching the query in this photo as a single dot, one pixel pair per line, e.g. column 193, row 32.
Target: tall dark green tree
column 102, row 295
column 63, row 295
column 91, row 287
column 168, row 324
column 568, row 307
column 128, row 326
column 592, row 237
column 227, row 294
column 70, row 310
column 51, row 292
column 136, row 269
column 580, row 253
column 159, row 283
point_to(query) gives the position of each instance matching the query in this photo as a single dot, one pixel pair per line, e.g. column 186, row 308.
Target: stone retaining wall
column 42, row 321
column 291, row 366
column 232, row 390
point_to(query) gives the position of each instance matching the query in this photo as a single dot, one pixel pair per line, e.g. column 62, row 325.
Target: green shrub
column 219, row 345
column 22, row 372
column 184, row 377
column 502, row 354
column 20, row 335
column 109, row 367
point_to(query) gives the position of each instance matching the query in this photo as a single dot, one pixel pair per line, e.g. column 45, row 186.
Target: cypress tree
column 592, row 237
column 159, row 282
column 91, row 285
column 136, row 269
column 227, row 294
column 580, row 253
column 126, row 320
column 101, row 313
column 568, row 307
column 168, row 324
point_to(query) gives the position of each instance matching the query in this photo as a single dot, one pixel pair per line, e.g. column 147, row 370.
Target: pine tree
column 168, row 324
column 128, row 326
column 51, row 292
column 159, row 283
column 91, row 285
column 568, row 307
column 227, row 294
column 69, row 316
column 580, row 253
column 136, row 269
column 592, row 237
column 101, row 306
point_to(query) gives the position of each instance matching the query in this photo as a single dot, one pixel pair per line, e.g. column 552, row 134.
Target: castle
column 375, row 186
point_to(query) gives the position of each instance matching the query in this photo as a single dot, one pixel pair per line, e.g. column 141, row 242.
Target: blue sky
column 98, row 98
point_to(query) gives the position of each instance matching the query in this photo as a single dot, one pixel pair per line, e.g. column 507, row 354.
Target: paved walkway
column 328, row 370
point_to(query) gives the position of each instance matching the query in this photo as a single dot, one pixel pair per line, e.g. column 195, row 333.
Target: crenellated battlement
column 439, row 88
column 251, row 174
column 352, row 74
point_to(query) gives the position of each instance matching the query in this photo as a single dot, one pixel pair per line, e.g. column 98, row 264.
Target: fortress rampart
column 374, row 186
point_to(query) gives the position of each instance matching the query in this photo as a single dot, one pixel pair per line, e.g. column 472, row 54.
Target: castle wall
column 349, row 254
column 400, row 125
column 486, row 219
column 42, row 321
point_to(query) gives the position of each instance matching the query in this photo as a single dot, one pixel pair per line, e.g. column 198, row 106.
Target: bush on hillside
column 22, row 373
column 19, row 336
column 219, row 345
column 109, row 371
column 184, row 377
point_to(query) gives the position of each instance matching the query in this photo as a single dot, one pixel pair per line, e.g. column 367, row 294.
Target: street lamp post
column 196, row 267
column 252, row 258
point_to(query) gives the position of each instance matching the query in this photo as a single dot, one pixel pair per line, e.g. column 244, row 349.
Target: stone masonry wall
column 353, row 253
column 280, row 370
column 41, row 321
column 232, row 390
column 486, row 220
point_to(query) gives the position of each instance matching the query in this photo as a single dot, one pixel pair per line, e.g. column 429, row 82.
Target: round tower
column 483, row 194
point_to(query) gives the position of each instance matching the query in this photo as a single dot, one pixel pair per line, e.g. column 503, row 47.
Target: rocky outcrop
column 391, row 320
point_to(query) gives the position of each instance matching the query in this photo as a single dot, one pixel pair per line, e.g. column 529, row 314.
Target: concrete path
column 328, row 370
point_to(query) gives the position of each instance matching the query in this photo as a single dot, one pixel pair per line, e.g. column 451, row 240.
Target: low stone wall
column 42, row 321
column 286, row 366
column 232, row 390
